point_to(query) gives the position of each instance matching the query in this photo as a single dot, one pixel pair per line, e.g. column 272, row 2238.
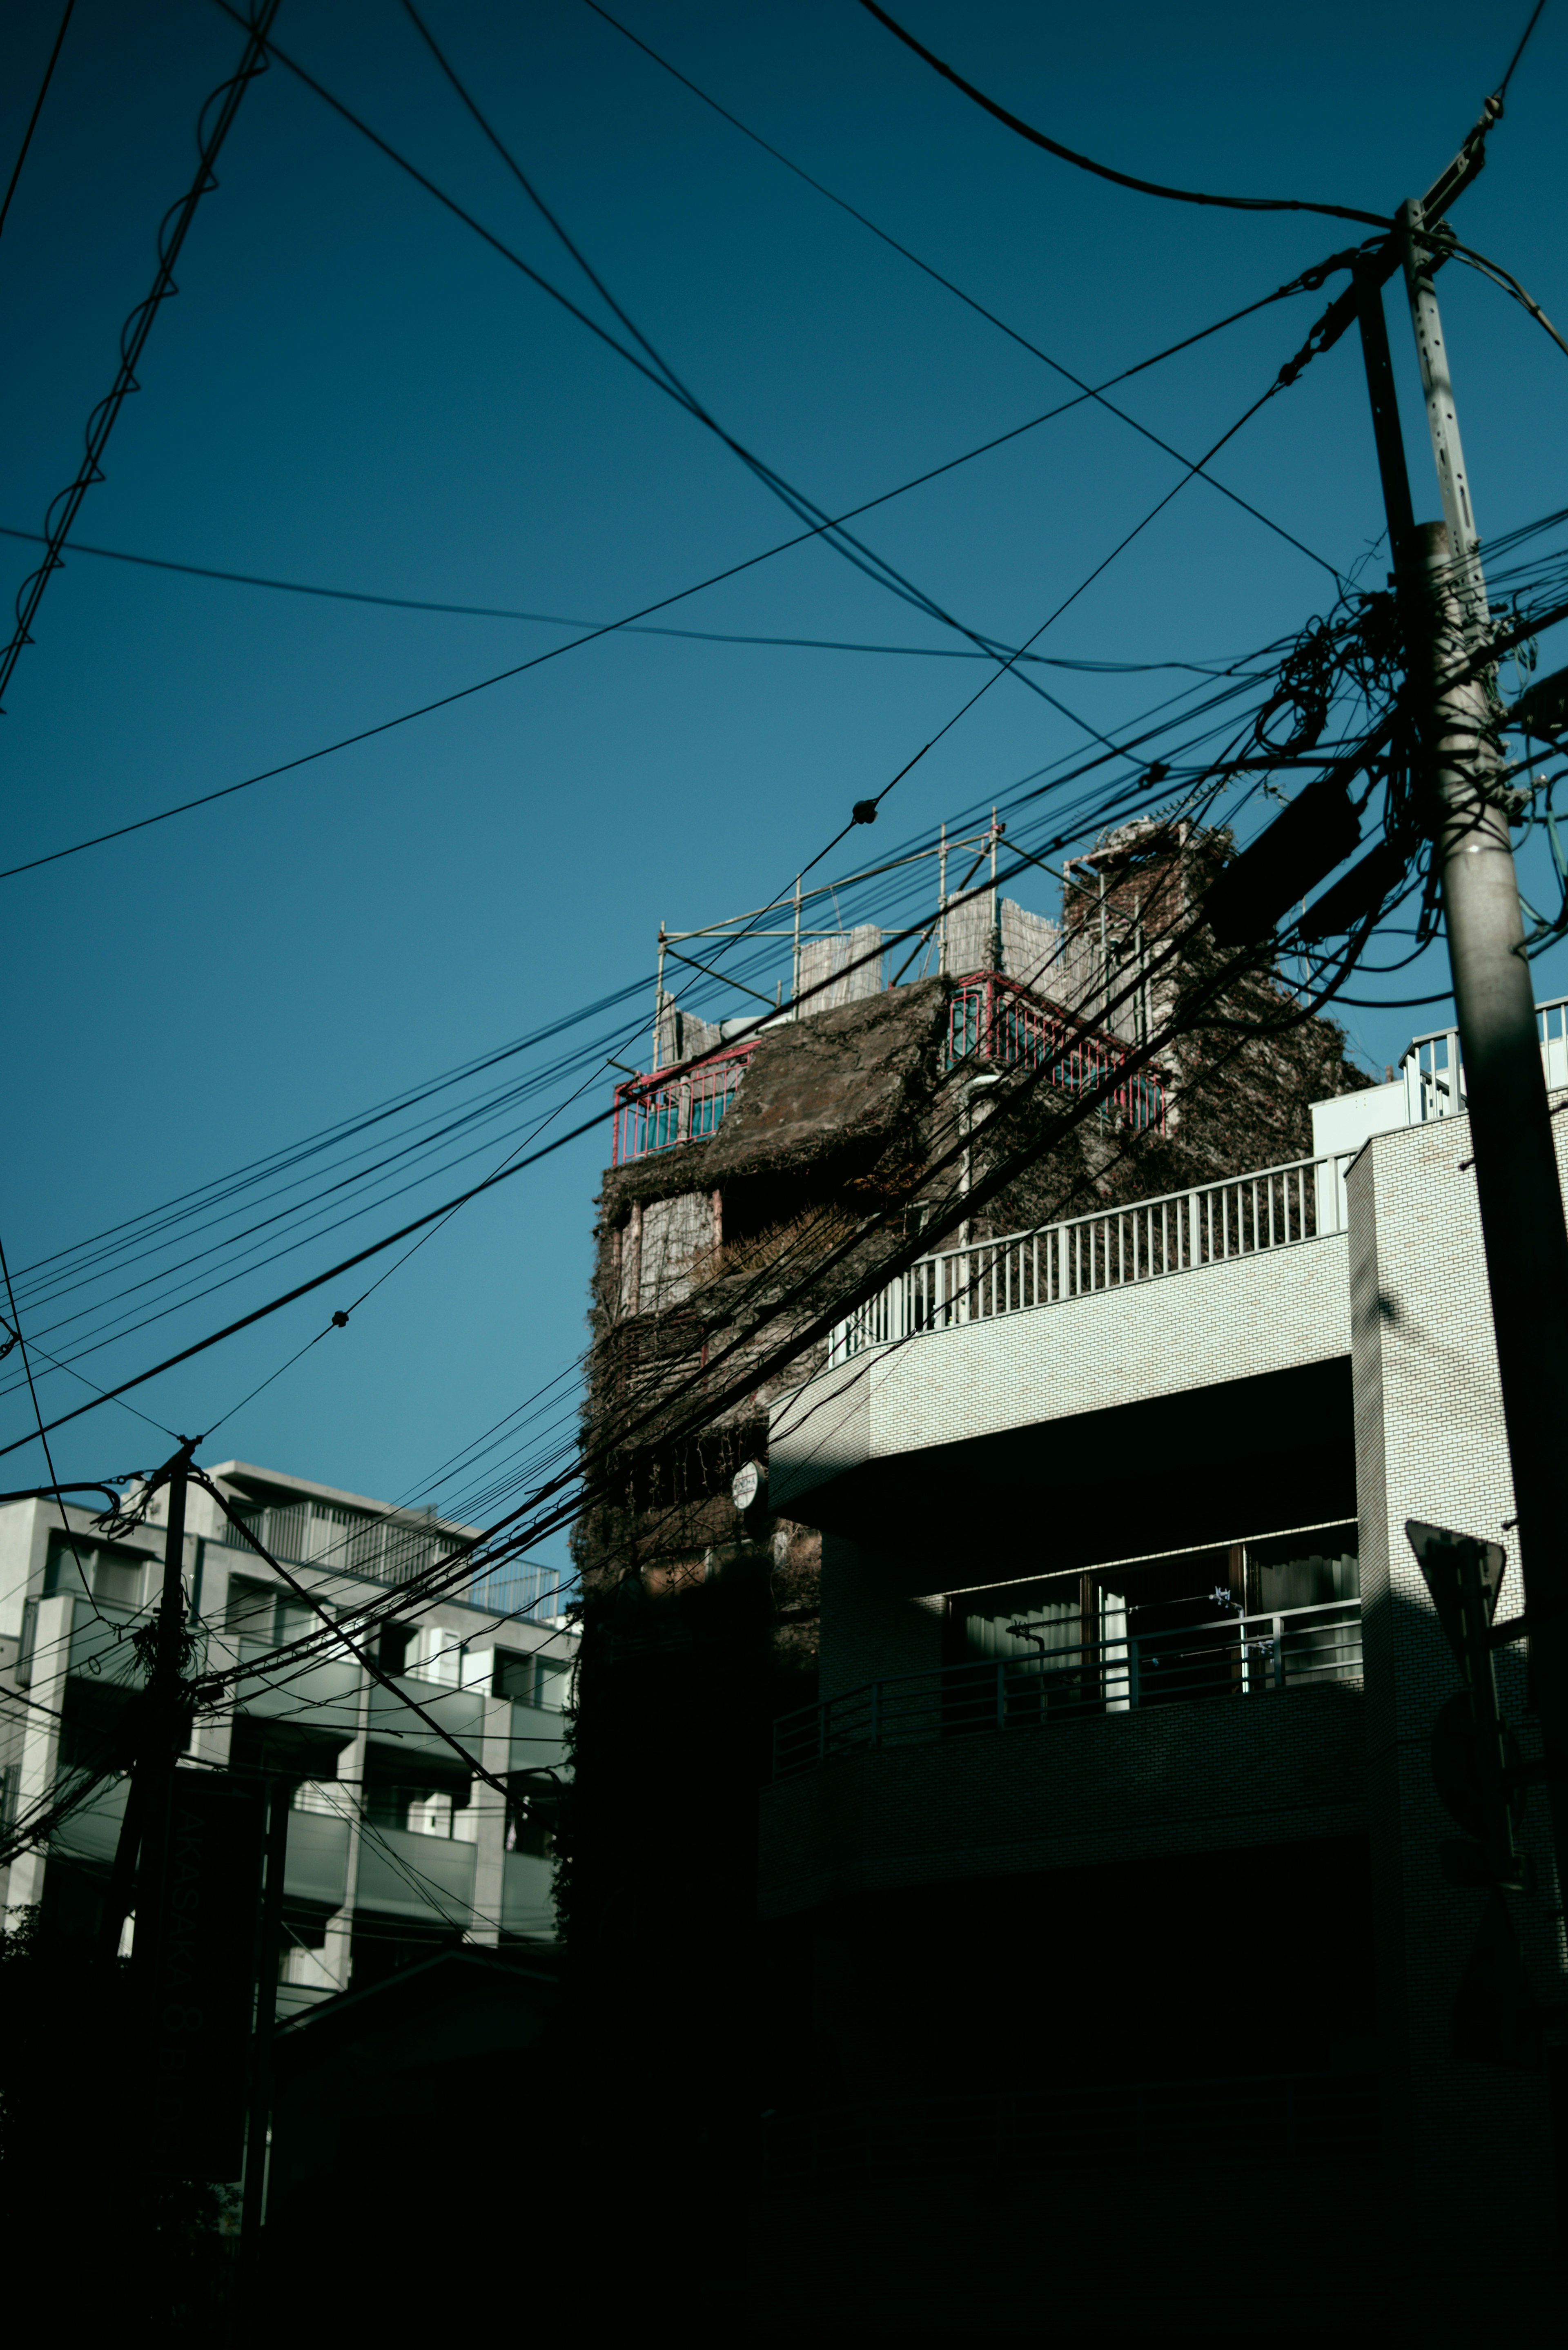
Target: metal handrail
column 1178, row 1232
column 1238, row 1654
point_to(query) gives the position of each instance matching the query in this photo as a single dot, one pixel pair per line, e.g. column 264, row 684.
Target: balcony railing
column 1278, row 1207
column 993, row 1018
column 1249, row 2122
column 1233, row 1657
column 656, row 1113
column 990, row 1017
column 1435, row 1078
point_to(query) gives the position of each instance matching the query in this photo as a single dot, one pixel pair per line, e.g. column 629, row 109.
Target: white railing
column 1433, row 1074
column 1277, row 1207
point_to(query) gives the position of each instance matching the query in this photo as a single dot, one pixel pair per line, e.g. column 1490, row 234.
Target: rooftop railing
column 993, row 1018
column 655, row 1113
column 1433, row 1074
column 1233, row 1657
column 990, row 1017
column 1278, row 1207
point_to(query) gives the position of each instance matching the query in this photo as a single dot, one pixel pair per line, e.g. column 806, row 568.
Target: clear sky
column 353, row 390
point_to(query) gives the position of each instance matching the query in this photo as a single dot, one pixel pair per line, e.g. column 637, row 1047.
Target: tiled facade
column 957, row 1459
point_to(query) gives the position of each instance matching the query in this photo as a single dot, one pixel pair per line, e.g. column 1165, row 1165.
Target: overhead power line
column 609, row 627
column 1104, row 171
column 175, row 228
column 38, row 107
column 1524, row 38
column 652, row 365
column 627, row 628
column 375, row 1248
column 895, row 244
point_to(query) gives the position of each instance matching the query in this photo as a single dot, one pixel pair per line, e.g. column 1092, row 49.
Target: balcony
column 653, row 1114
column 527, row 1903
column 1276, row 1208
column 538, row 1740
column 405, row 1874
column 322, row 1696
column 1325, row 2123
column 317, row 1865
column 1234, row 1656
column 460, row 1711
column 994, row 1019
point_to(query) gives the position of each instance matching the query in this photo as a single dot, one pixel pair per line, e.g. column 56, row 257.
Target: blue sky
column 352, row 390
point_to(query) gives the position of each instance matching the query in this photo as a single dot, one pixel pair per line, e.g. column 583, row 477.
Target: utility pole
column 258, row 2120
column 159, row 1737
column 1439, row 571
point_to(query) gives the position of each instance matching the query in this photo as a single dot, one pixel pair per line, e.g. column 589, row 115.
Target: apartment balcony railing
column 1246, row 2122
column 383, row 1549
column 1232, row 1657
column 1435, row 1078
column 993, row 1018
column 403, row 1874
column 1278, row 1207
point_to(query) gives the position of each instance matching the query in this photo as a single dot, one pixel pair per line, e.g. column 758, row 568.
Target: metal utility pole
column 1520, row 1195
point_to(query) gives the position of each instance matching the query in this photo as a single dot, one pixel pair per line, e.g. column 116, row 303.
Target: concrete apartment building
column 1018, row 1713
column 1122, row 1745
column 395, row 1849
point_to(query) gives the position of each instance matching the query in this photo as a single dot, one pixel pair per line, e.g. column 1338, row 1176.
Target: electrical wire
column 1296, row 284
column 1503, row 278
column 656, row 371
column 223, row 105
column 1524, row 38
column 631, row 628
column 1104, row 171
column 653, row 367
column 33, row 117
column 756, row 1373
column 156, row 1317
column 284, row 1159
column 15, row 1325
column 273, row 1307
column 821, row 529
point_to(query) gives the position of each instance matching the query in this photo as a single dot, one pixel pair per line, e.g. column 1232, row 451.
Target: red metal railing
column 990, row 1017
column 689, row 1103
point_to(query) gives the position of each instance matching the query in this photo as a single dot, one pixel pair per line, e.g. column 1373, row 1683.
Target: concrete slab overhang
column 1207, row 1403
